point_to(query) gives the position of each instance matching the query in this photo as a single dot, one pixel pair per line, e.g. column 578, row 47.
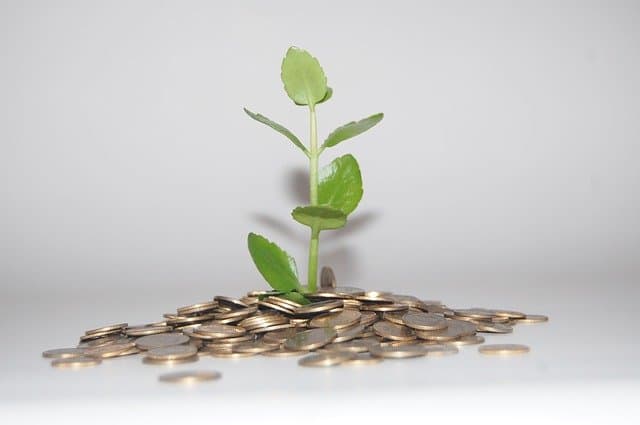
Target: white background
column 505, row 174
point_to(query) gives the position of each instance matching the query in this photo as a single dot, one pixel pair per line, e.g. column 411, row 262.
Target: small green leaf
column 276, row 266
column 295, row 297
column 279, row 128
column 319, row 217
column 303, row 77
column 340, row 184
column 351, row 129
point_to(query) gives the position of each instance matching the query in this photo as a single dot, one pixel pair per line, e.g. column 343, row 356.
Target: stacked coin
column 340, row 326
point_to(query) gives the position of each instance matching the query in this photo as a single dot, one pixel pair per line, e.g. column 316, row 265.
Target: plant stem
column 313, row 199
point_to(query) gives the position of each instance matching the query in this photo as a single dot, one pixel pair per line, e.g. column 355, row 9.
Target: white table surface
column 583, row 364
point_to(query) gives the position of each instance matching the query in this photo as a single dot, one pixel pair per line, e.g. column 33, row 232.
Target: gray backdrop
column 507, row 156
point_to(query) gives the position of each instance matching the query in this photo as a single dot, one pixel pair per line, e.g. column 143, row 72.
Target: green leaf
column 276, row 266
column 279, row 128
column 340, row 184
column 351, row 129
column 319, row 217
column 324, row 99
column 295, row 297
column 303, row 77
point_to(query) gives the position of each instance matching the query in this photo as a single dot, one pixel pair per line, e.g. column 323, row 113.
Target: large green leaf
column 340, row 184
column 319, row 217
column 279, row 128
column 276, row 266
column 324, row 99
column 303, row 77
column 351, row 129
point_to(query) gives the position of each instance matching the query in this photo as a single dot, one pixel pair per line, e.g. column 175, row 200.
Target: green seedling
column 334, row 190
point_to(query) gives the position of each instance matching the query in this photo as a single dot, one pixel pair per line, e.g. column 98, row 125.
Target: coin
column 467, row 340
column 353, row 346
column 392, row 316
column 368, row 318
column 197, row 308
column 216, row 330
column 327, row 278
column 190, row 376
column 424, row 321
column 255, row 347
column 63, row 353
column 75, row 362
column 107, row 329
column 279, row 336
column 347, row 334
column 229, row 301
column 161, row 340
column 362, row 359
column 455, row 329
column 440, row 350
column 385, row 307
column 398, row 351
column 318, row 307
column 310, row 339
column 393, row 331
column 284, row 352
column 339, row 320
column 325, row 359
column 147, row 330
column 173, row 352
column 510, row 314
column 497, row 328
column 111, row 350
column 532, row 318
column 503, row 349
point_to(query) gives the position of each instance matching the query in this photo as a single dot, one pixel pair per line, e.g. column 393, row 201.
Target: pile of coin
column 340, row 326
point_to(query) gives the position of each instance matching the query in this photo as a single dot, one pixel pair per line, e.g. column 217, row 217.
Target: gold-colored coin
column 325, row 359
column 398, row 351
column 190, row 376
column 384, row 307
column 279, row 336
column 254, row 347
column 147, row 330
column 111, row 350
column 216, row 330
column 362, row 359
column 161, row 340
column 391, row 316
column 339, row 320
column 310, row 339
column 107, row 329
column 169, row 363
column 509, row 313
column 173, row 352
column 229, row 301
column 347, row 334
column 533, row 318
column 368, row 318
column 475, row 313
column 353, row 346
column 440, row 350
column 272, row 328
column 228, row 354
column 467, row 340
column 76, row 362
column 197, row 308
column 503, row 349
column 496, row 328
column 284, row 352
column 327, row 278
column 319, row 307
column 63, row 353
column 455, row 329
column 393, row 331
column 424, row 321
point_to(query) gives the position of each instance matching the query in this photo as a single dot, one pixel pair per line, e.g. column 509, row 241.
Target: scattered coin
column 503, row 349
column 106, row 329
column 362, row 359
column 311, row 339
column 532, row 318
column 63, row 353
column 111, row 350
column 190, row 376
column 76, row 362
column 398, row 351
column 216, row 330
column 284, row 352
column 440, row 350
column 325, row 359
column 338, row 320
column 393, row 331
column 327, row 278
column 496, row 328
column 468, row 340
column 424, row 321
column 161, row 340
column 173, row 352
